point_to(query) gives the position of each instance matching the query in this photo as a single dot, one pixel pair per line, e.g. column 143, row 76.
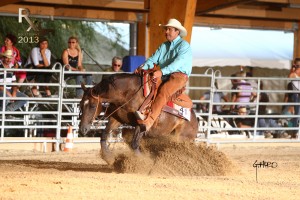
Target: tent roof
column 223, row 47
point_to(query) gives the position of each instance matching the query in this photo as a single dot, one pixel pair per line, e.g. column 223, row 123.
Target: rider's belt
column 165, row 78
column 182, row 74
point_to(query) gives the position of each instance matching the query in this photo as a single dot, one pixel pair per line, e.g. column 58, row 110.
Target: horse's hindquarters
column 168, row 124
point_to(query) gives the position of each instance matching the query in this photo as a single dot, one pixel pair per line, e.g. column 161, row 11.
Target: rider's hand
column 138, row 70
column 157, row 74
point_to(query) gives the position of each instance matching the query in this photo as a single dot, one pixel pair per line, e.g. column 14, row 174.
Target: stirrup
column 139, row 115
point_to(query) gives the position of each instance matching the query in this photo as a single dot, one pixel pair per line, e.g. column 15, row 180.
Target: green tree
column 58, row 32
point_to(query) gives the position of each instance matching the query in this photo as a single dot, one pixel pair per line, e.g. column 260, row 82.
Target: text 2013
column 28, row 39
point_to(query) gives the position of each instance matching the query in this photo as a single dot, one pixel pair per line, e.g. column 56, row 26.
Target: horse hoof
column 108, row 158
column 137, row 152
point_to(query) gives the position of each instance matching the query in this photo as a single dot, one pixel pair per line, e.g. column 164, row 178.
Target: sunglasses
column 71, row 42
column 117, row 65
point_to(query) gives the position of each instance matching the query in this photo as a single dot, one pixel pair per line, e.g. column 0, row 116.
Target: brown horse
column 124, row 94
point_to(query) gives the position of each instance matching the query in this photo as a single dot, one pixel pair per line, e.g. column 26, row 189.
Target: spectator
column 217, row 98
column 16, row 62
column 244, row 96
column 295, row 74
column 289, row 109
column 72, row 60
column 243, row 122
column 9, row 91
column 263, row 98
column 268, row 122
column 288, row 97
column 116, row 65
column 39, row 59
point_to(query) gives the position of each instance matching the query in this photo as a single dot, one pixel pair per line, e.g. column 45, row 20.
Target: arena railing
column 215, row 129
column 56, row 113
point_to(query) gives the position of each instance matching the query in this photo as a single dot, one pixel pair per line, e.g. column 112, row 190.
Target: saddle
column 179, row 104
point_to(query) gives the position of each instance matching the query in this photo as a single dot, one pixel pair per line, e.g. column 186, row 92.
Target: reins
column 98, row 99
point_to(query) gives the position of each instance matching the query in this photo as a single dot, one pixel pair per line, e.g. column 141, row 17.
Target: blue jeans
column 79, row 79
column 267, row 122
column 296, row 99
column 12, row 106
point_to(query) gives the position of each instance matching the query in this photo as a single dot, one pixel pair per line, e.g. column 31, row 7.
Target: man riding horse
column 174, row 58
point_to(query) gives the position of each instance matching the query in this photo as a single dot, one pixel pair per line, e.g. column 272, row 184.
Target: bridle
column 98, row 98
column 98, row 103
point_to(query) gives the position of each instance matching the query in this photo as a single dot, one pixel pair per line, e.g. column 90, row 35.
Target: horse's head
column 90, row 107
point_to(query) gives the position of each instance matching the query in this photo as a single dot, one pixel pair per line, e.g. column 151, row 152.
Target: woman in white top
column 295, row 74
column 40, row 59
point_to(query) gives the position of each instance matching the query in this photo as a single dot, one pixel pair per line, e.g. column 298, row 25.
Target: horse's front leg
column 106, row 154
column 135, row 143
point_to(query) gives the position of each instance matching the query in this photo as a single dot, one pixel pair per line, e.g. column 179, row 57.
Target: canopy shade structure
column 231, row 47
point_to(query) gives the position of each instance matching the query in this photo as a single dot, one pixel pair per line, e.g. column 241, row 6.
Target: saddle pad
column 174, row 109
column 184, row 101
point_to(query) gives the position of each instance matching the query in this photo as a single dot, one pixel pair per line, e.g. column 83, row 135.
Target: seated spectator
column 72, row 60
column 244, row 122
column 244, row 96
column 39, row 59
column 295, row 74
column 288, row 98
column 16, row 62
column 116, row 65
column 269, row 122
column 263, row 98
column 288, row 109
column 9, row 91
column 217, row 98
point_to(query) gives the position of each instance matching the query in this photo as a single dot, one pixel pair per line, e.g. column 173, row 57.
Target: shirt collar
column 176, row 40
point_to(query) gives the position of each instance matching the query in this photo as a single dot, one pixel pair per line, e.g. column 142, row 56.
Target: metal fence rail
column 54, row 114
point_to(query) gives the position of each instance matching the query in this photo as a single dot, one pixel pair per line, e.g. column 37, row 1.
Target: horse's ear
column 83, row 86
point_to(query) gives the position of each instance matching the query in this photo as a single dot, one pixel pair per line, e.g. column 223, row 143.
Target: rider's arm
column 154, row 59
column 182, row 62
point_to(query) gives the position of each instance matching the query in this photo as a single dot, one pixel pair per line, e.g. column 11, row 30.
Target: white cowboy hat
column 176, row 24
column 7, row 54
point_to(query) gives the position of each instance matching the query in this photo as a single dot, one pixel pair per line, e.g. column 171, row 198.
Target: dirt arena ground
column 173, row 171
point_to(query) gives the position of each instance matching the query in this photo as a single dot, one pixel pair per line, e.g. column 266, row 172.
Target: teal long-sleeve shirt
column 175, row 56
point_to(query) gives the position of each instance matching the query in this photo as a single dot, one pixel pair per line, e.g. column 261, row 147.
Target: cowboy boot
column 139, row 115
column 146, row 124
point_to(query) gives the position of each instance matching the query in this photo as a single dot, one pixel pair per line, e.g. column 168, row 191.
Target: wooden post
column 297, row 42
column 160, row 13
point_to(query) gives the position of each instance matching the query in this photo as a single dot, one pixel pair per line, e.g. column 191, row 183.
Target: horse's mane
column 103, row 86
